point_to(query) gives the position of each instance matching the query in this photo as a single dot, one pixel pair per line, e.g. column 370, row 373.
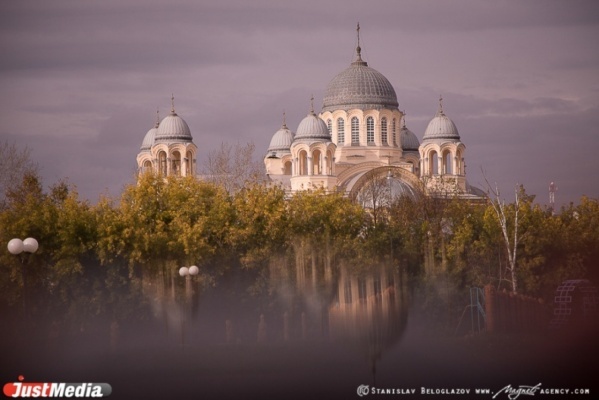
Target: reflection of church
column 359, row 134
column 369, row 310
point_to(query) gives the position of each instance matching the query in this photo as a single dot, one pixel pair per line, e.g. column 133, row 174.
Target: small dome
column 148, row 141
column 150, row 137
column 281, row 140
column 441, row 127
column 408, row 140
column 361, row 87
column 313, row 128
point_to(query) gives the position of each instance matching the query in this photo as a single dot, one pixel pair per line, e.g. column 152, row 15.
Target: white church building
column 359, row 134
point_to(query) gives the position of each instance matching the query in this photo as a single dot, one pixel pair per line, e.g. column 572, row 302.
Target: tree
column 14, row 164
column 324, row 217
column 509, row 222
column 25, row 214
column 375, row 196
column 261, row 222
column 178, row 219
column 233, row 166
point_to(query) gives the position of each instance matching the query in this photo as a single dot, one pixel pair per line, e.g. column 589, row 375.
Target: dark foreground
column 317, row 369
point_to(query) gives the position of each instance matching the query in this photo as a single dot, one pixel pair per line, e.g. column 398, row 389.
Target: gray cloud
column 82, row 80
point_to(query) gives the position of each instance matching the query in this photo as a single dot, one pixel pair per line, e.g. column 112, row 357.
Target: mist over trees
column 98, row 260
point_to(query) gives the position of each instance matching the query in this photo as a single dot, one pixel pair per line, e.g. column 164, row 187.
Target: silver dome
column 148, row 141
column 173, row 129
column 312, row 128
column 361, row 87
column 408, row 140
column 281, row 140
column 441, row 127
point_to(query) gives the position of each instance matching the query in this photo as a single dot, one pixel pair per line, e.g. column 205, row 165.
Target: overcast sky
column 81, row 80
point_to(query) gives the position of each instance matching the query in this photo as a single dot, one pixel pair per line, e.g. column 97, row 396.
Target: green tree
column 26, row 214
column 178, row 219
column 324, row 217
column 261, row 223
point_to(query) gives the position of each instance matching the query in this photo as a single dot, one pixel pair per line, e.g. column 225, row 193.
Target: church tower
column 313, row 155
column 442, row 156
column 361, row 110
column 278, row 158
column 168, row 148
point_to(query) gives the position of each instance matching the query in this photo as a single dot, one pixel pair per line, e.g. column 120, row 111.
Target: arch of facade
column 173, row 159
column 314, row 159
column 442, row 159
column 353, row 179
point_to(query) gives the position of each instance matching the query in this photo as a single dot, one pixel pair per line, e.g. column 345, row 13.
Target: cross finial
column 284, row 120
column 157, row 117
column 172, row 103
column 440, row 104
column 358, row 48
column 312, row 104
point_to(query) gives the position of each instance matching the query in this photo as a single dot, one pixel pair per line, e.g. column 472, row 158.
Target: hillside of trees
column 92, row 258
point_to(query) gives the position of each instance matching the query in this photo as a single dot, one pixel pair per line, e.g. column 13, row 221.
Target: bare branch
column 233, row 166
column 14, row 164
column 500, row 210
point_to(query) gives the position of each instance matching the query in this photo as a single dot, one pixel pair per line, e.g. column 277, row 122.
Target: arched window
column 189, row 164
column 340, row 131
column 447, row 162
column 355, row 131
column 176, row 163
column 329, row 163
column 393, row 131
column 303, row 163
column 370, row 131
column 384, row 132
column 287, row 168
column 330, row 126
column 147, row 166
column 433, row 159
column 317, row 168
column 162, row 163
column 459, row 162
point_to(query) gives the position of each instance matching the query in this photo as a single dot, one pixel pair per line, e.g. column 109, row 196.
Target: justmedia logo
column 23, row 389
column 363, row 390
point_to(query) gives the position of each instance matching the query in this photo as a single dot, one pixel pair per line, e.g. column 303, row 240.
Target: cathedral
column 358, row 136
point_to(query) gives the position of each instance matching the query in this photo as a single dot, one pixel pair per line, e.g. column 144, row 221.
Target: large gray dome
column 361, row 87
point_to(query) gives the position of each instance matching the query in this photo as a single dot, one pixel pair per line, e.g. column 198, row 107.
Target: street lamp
column 16, row 247
column 193, row 270
column 187, row 273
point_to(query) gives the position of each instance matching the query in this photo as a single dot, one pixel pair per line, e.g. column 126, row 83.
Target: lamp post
column 17, row 247
column 187, row 273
